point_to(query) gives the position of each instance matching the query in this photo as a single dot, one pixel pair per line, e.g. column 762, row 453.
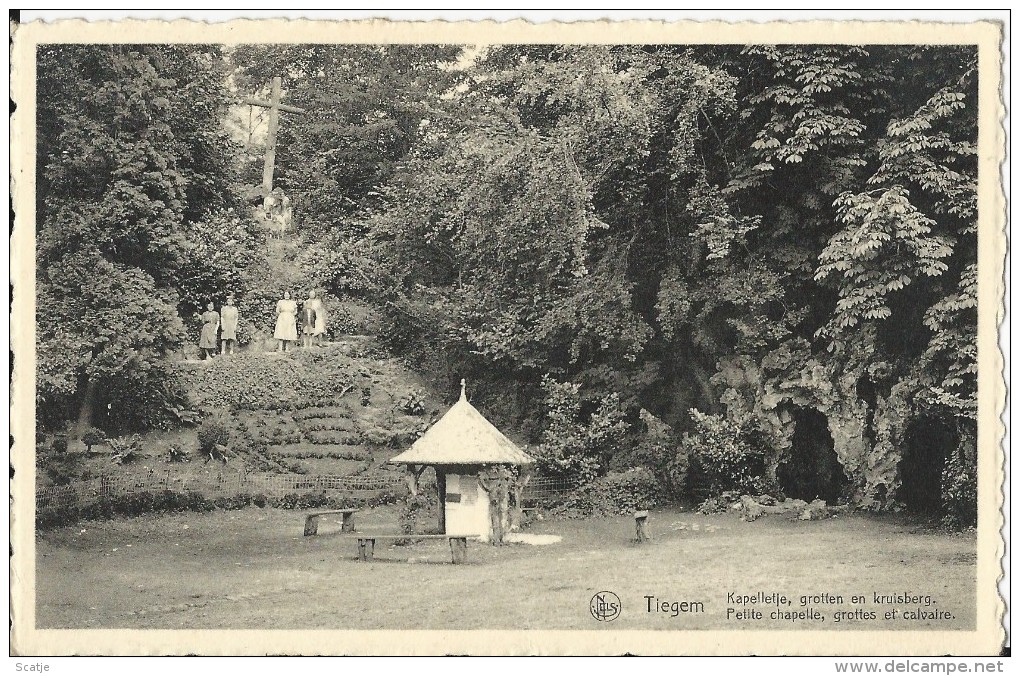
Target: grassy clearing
column 253, row 569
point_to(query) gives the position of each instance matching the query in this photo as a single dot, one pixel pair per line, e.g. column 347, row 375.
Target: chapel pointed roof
column 463, row 437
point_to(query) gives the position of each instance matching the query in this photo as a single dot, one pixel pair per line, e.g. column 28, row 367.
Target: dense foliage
column 726, row 457
column 133, row 167
column 615, row 493
column 631, row 219
column 144, row 502
column 594, row 236
column 364, row 105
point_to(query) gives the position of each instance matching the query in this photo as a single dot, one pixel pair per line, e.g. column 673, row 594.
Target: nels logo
column 605, row 606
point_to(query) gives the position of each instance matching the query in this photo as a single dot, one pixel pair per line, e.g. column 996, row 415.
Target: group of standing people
column 312, row 321
column 223, row 323
column 219, row 329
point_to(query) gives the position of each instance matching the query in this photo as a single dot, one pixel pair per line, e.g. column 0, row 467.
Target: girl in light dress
column 228, row 326
column 286, row 322
column 210, row 327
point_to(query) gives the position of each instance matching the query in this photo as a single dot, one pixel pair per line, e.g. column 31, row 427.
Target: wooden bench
column 458, row 544
column 346, row 520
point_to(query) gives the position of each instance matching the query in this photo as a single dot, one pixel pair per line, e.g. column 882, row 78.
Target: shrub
column 418, row 513
column 412, row 403
column 713, row 505
column 299, row 501
column 248, row 444
column 47, row 517
column 341, row 323
column 175, row 453
column 126, row 449
column 357, row 456
column 615, row 493
column 320, row 425
column 59, row 443
column 60, row 467
column 239, row 501
column 577, row 445
column 334, row 437
column 129, row 504
column 91, row 438
column 212, row 433
column 657, row 450
column 139, row 400
column 725, row 457
column 959, row 488
column 144, row 502
column 249, row 382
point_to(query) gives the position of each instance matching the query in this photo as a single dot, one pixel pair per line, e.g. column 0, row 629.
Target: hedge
column 146, row 502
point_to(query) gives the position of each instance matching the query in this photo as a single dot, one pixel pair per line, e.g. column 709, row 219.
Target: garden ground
column 253, row 569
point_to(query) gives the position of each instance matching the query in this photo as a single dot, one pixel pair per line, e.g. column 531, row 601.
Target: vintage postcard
column 381, row 337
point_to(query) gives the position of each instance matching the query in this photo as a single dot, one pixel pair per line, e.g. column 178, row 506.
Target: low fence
column 546, row 489
column 222, row 484
column 228, row 484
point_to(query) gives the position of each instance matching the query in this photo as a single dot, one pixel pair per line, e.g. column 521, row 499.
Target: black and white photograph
column 656, row 333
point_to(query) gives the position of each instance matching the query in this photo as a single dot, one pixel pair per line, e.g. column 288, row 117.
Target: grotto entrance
column 926, row 444
column 813, row 469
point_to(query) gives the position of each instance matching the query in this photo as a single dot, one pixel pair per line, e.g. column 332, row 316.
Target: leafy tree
column 628, row 218
column 130, row 151
column 98, row 321
column 584, row 231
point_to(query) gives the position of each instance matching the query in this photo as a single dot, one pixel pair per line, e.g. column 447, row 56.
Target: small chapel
column 480, row 473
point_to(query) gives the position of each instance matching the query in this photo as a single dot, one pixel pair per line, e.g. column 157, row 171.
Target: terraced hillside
column 341, row 409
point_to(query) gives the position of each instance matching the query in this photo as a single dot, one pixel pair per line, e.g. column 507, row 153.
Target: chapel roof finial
column 463, row 389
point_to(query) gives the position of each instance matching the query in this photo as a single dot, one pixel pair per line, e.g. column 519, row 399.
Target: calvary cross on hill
column 274, row 107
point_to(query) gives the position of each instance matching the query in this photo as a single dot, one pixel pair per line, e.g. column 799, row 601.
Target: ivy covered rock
column 815, row 511
column 750, row 509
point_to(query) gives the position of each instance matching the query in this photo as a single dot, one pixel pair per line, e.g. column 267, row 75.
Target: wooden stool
column 640, row 519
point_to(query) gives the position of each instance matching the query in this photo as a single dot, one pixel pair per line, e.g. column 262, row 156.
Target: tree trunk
column 497, row 482
column 703, row 380
column 412, row 478
column 498, row 503
column 518, row 490
column 85, row 413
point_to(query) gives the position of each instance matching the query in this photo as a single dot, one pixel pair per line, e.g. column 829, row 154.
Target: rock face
column 763, row 396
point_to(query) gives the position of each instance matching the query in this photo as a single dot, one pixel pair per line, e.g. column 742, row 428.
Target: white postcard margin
column 986, row 639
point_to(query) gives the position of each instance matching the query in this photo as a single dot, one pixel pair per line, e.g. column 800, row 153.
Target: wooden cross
column 274, row 107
